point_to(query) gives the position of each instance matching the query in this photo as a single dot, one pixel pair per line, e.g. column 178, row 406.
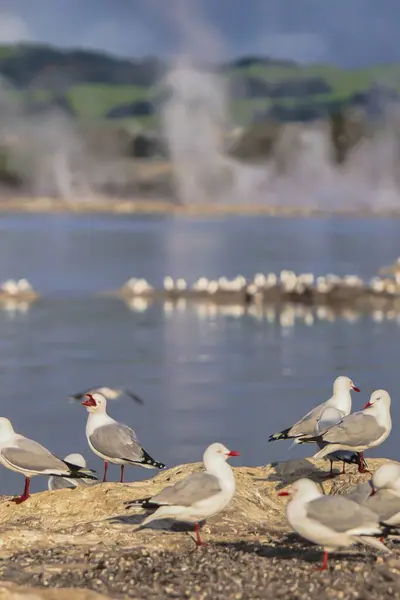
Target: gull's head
column 343, row 383
column 387, row 477
column 76, row 459
column 6, row 428
column 95, row 403
column 302, row 488
column 380, row 399
column 218, row 451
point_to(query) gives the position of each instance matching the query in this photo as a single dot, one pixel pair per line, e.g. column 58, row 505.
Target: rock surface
column 86, row 539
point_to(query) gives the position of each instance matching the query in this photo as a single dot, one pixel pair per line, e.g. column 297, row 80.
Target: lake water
column 205, row 375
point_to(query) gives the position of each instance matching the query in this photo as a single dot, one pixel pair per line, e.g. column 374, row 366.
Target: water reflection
column 286, row 314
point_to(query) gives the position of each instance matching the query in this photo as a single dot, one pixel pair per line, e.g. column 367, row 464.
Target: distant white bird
column 169, row 284
column 201, row 284
column 198, row 496
column 29, row 458
column 330, row 521
column 112, row 441
column 24, row 285
column 212, row 287
column 108, row 392
column 181, row 284
column 10, row 287
column 58, row 483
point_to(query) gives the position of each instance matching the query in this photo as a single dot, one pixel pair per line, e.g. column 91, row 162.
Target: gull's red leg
column 25, row 494
column 105, row 471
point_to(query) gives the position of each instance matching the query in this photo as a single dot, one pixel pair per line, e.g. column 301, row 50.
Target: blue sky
column 346, row 32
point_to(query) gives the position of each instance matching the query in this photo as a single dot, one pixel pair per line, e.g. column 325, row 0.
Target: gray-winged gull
column 330, row 521
column 197, row 496
column 58, row 483
column 112, row 441
column 29, row 458
column 359, row 431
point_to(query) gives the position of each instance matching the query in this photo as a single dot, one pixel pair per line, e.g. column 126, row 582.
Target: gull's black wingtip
column 134, row 397
column 281, row 435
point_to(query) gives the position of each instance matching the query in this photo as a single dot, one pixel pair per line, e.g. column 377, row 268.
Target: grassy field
column 94, row 101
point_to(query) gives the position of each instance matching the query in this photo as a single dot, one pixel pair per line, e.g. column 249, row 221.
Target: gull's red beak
column 283, row 493
column 233, row 453
column 356, row 389
column 90, row 401
column 367, row 405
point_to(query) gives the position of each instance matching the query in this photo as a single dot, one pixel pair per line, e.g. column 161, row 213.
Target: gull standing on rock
column 331, row 416
column 114, row 442
column 359, row 431
column 382, row 494
column 196, row 497
column 58, row 483
column 339, row 401
column 331, row 411
column 330, row 521
column 29, row 458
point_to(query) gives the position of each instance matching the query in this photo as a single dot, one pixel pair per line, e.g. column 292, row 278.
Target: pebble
column 217, row 572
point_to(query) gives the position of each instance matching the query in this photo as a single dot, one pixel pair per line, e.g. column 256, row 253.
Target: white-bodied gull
column 197, row 496
column 331, row 416
column 330, row 521
column 329, row 412
column 58, row 483
column 112, row 441
column 384, row 494
column 359, row 431
column 29, row 458
column 340, row 401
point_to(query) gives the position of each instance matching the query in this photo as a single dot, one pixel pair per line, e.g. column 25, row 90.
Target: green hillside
column 94, row 85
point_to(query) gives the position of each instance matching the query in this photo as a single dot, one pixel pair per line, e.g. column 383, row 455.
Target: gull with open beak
column 330, row 521
column 196, row 497
column 112, row 441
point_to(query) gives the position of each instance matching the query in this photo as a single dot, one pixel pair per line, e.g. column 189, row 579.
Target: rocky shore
column 170, row 206
column 85, row 539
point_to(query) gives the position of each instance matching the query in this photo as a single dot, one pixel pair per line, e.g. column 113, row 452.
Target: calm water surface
column 205, row 375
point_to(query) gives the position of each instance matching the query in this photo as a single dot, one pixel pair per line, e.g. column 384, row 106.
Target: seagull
column 330, row 521
column 329, row 412
column 58, row 483
column 359, row 431
column 340, row 401
column 196, row 497
column 114, row 442
column 29, row 458
column 108, row 393
column 383, row 496
column 331, row 416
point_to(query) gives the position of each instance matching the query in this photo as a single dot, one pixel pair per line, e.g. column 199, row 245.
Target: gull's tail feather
column 322, row 453
column 143, row 503
column 372, row 541
column 77, row 472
